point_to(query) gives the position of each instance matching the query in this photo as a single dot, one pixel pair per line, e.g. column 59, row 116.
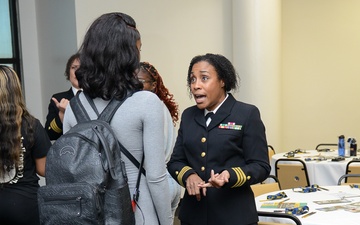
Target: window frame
column 15, row 39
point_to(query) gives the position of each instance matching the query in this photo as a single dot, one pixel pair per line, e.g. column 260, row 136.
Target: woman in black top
column 23, row 148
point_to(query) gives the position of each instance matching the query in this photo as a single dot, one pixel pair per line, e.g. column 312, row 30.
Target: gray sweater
column 139, row 126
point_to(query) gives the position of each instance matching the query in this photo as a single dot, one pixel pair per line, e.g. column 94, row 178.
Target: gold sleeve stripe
column 241, row 178
column 181, row 174
column 55, row 127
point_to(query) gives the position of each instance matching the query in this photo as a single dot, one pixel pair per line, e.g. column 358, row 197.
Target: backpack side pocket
column 76, row 203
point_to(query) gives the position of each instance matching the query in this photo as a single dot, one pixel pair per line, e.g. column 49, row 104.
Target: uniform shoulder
column 62, row 94
column 245, row 107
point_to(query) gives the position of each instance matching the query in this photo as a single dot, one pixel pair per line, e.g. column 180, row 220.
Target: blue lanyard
column 312, row 188
column 279, row 195
column 297, row 211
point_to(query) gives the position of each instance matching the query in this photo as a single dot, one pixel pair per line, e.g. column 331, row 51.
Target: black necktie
column 208, row 115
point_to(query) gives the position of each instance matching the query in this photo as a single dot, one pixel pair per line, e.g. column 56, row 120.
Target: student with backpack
column 110, row 56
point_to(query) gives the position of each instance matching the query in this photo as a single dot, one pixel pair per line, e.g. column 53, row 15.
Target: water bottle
column 341, row 146
column 352, row 146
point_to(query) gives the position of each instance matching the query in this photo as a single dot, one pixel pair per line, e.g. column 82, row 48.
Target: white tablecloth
column 337, row 217
column 320, row 172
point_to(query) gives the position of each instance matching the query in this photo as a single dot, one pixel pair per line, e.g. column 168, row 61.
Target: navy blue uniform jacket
column 235, row 141
column 53, row 124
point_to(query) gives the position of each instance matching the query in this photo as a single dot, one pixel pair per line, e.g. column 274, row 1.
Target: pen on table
column 323, row 188
column 309, row 214
column 284, row 200
column 264, row 200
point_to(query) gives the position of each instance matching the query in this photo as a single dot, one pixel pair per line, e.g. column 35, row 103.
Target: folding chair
column 271, row 152
column 266, row 187
column 346, row 176
column 353, row 167
column 291, row 173
column 324, row 145
column 289, row 217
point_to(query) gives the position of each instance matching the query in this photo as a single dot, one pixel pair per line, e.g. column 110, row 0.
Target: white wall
column 48, row 38
column 30, row 57
column 321, row 71
column 257, row 58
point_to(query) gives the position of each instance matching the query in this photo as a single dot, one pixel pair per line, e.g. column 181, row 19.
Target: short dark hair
column 68, row 64
column 109, row 57
column 224, row 68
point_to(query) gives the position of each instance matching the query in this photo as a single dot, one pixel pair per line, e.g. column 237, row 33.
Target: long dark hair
column 109, row 57
column 13, row 115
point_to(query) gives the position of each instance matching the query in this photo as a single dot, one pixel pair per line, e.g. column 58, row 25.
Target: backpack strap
column 133, row 159
column 106, row 115
column 110, row 109
column 82, row 116
column 136, row 193
column 92, row 104
column 78, row 109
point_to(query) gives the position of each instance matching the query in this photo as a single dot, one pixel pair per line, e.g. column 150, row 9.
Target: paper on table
column 353, row 207
column 278, row 205
column 343, row 195
column 323, row 202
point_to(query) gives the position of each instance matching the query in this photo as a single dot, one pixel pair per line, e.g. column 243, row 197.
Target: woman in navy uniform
column 59, row 101
column 217, row 160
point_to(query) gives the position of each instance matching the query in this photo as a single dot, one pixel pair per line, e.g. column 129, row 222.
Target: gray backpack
column 86, row 181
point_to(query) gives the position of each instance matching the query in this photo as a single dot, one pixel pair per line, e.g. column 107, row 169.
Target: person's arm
column 40, row 166
column 168, row 134
column 40, row 148
column 179, row 167
column 53, row 124
column 155, row 159
column 61, row 105
column 254, row 147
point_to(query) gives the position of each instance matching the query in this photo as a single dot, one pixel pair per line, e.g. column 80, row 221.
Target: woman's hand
column 61, row 106
column 216, row 180
column 192, row 185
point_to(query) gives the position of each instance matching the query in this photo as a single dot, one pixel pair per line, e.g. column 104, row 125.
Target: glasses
column 145, row 81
